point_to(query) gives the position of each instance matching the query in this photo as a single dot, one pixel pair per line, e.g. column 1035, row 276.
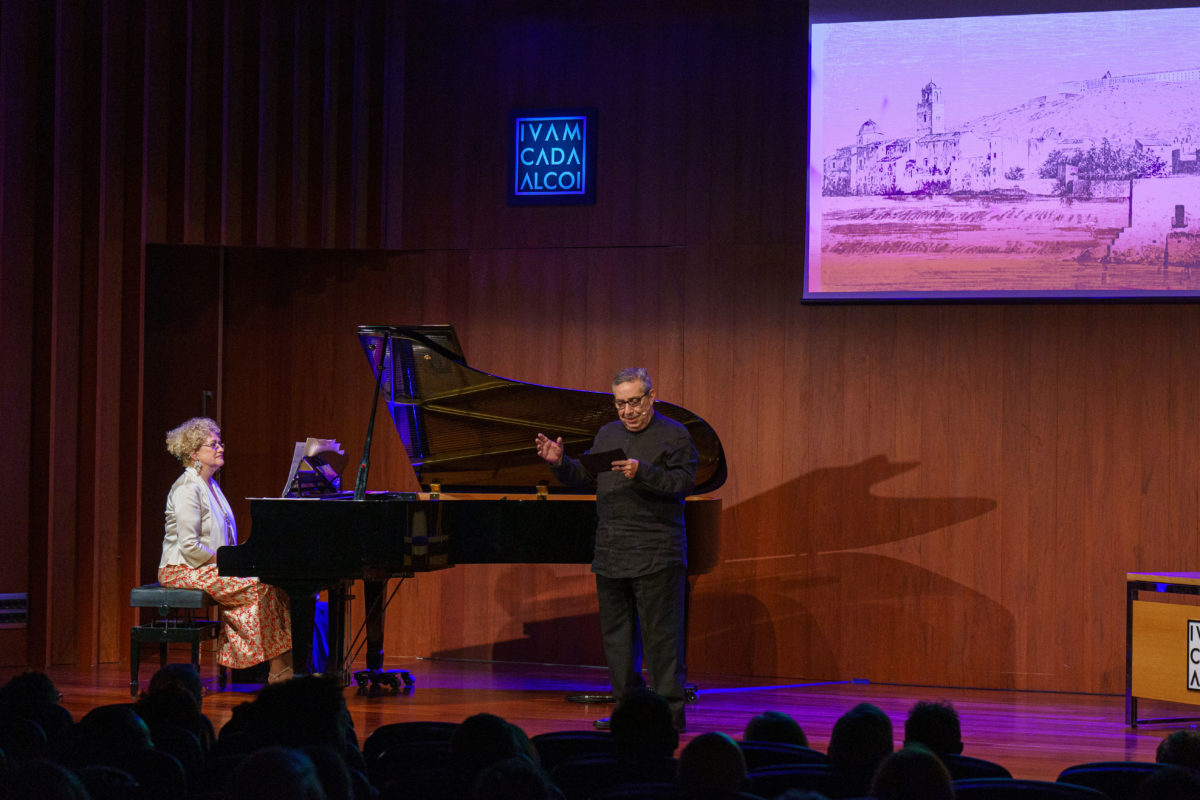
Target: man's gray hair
column 633, row 374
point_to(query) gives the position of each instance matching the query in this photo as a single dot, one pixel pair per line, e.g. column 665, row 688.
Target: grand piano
column 487, row 497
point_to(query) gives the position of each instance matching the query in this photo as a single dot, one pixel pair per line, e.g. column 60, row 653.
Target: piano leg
column 373, row 598
column 371, row 679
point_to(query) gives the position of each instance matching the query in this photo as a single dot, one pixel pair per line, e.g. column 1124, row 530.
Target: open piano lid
column 467, row 430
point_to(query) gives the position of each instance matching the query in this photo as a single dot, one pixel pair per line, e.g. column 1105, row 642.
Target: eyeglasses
column 217, row 445
column 633, row 402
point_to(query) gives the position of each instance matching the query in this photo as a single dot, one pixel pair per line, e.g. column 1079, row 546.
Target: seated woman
column 257, row 623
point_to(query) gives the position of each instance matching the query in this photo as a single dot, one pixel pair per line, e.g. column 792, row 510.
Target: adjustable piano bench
column 182, row 617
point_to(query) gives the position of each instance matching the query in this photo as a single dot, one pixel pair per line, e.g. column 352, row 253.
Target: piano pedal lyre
column 373, row 682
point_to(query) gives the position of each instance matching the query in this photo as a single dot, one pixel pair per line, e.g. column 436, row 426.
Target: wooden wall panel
column 20, row 64
column 62, row 328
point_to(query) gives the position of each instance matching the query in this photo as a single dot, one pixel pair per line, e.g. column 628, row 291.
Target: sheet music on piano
column 317, row 466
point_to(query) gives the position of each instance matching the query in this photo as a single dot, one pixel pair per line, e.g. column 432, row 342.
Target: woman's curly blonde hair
column 185, row 440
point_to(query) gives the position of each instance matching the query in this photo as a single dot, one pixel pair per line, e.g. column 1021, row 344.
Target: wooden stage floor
column 1034, row 734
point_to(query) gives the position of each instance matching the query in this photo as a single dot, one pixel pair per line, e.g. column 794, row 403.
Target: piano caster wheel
column 372, row 682
column 690, row 695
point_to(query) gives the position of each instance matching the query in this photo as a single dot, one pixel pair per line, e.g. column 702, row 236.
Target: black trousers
column 646, row 615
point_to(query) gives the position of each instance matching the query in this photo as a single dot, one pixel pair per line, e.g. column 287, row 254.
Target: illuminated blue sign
column 553, row 158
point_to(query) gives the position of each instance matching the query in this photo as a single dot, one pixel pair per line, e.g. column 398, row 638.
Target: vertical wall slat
column 20, row 134
column 63, row 331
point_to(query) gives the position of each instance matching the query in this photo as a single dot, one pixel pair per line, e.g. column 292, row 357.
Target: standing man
column 640, row 559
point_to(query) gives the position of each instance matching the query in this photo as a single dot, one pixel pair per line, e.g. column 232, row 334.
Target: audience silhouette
column 174, row 699
column 912, row 773
column 275, row 773
column 711, row 767
column 644, row 742
column 335, row 777
column 642, row 727
column 33, row 696
column 935, row 725
column 296, row 739
column 1181, row 748
column 861, row 739
column 1171, row 782
column 775, row 726
column 515, row 778
column 484, row 740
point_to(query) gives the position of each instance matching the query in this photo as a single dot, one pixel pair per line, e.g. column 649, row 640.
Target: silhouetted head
column 302, row 711
column 934, row 725
column 912, row 772
column 861, row 738
column 34, row 696
column 169, row 705
column 642, row 727
column 274, row 773
column 114, row 728
column 1181, row 748
column 484, row 739
column 28, row 689
column 775, row 726
column 515, row 778
column 712, row 767
column 184, row 676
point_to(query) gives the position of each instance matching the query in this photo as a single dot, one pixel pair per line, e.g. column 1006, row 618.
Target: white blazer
column 197, row 523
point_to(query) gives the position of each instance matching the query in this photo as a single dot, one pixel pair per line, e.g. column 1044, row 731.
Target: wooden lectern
column 1162, row 641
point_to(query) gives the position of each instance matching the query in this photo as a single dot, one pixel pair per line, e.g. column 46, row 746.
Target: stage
column 1034, row 734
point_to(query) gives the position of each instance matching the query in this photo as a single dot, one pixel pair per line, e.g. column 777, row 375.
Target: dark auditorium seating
column 1117, row 779
column 21, row 739
column 404, row 732
column 431, row 762
column 652, row 791
column 109, row 783
column 580, row 778
column 184, row 745
column 640, row 791
column 160, row 774
column 760, row 755
column 401, row 748
column 962, row 767
column 1021, row 789
column 558, row 746
column 774, row 781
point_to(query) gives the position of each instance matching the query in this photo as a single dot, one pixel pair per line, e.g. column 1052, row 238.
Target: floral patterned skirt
column 256, row 623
